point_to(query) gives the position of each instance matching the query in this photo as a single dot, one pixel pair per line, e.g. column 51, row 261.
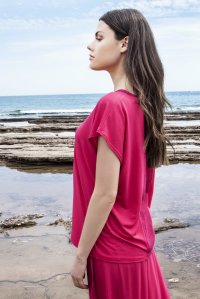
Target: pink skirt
column 137, row 280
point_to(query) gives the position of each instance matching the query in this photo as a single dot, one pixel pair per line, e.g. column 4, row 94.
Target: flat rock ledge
column 49, row 140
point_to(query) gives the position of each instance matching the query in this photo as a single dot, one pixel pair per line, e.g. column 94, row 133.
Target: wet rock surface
column 179, row 254
column 22, row 221
column 169, row 223
column 37, row 264
column 45, row 140
column 67, row 223
column 19, row 221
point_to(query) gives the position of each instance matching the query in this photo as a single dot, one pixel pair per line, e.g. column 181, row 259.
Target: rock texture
column 19, row 221
column 27, row 221
column 169, row 223
column 45, row 141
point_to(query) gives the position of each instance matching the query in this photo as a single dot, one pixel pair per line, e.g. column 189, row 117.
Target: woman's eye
column 98, row 38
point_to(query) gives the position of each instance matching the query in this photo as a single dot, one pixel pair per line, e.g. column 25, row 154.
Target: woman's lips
column 91, row 57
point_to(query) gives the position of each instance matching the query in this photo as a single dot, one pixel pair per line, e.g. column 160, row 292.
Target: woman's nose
column 88, row 47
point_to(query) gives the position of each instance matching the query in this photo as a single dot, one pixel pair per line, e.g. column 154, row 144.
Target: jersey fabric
column 128, row 234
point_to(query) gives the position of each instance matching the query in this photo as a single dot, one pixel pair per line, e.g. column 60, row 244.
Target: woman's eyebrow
column 97, row 33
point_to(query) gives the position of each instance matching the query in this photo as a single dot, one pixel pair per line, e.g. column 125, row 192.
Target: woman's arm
column 102, row 199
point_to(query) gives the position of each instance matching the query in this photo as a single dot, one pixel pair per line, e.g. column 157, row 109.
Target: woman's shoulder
column 109, row 102
column 118, row 96
column 119, row 101
column 111, row 98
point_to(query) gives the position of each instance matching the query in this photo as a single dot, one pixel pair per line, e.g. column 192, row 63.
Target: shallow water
column 16, row 124
column 36, row 190
column 49, row 190
column 182, row 123
column 177, row 193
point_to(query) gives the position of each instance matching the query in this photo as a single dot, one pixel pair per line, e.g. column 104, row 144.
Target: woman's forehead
column 102, row 27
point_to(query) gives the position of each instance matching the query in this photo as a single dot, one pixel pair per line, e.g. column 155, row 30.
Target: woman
column 117, row 149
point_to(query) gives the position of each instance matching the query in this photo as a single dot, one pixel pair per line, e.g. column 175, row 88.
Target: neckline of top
column 133, row 94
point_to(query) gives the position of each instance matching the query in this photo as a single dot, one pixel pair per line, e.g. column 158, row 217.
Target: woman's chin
column 95, row 67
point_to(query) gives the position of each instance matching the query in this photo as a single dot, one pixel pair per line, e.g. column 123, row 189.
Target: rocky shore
column 22, row 221
column 50, row 139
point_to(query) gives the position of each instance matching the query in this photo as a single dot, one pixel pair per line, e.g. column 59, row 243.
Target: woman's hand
column 78, row 272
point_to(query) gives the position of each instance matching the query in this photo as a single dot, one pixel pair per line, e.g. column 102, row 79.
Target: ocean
column 74, row 104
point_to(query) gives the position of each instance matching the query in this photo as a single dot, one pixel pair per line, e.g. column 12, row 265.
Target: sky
column 44, row 44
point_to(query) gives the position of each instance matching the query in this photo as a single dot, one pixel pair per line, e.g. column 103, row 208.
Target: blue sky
column 44, row 44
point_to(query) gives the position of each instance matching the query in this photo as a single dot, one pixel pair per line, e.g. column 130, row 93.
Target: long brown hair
column 145, row 73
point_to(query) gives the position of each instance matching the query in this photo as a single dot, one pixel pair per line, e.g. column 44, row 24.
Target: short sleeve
column 109, row 122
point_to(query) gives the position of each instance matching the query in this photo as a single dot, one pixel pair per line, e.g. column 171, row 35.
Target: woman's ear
column 124, row 44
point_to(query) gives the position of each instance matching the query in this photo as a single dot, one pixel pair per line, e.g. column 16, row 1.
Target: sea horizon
column 75, row 104
column 83, row 93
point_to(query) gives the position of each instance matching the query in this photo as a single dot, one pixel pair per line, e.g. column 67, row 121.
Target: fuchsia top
column 128, row 234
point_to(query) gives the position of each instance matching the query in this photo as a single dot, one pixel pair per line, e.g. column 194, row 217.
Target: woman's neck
column 120, row 80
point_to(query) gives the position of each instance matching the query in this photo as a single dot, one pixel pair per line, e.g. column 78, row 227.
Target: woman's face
column 107, row 51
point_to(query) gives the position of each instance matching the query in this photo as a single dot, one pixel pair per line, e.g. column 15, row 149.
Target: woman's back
column 128, row 234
